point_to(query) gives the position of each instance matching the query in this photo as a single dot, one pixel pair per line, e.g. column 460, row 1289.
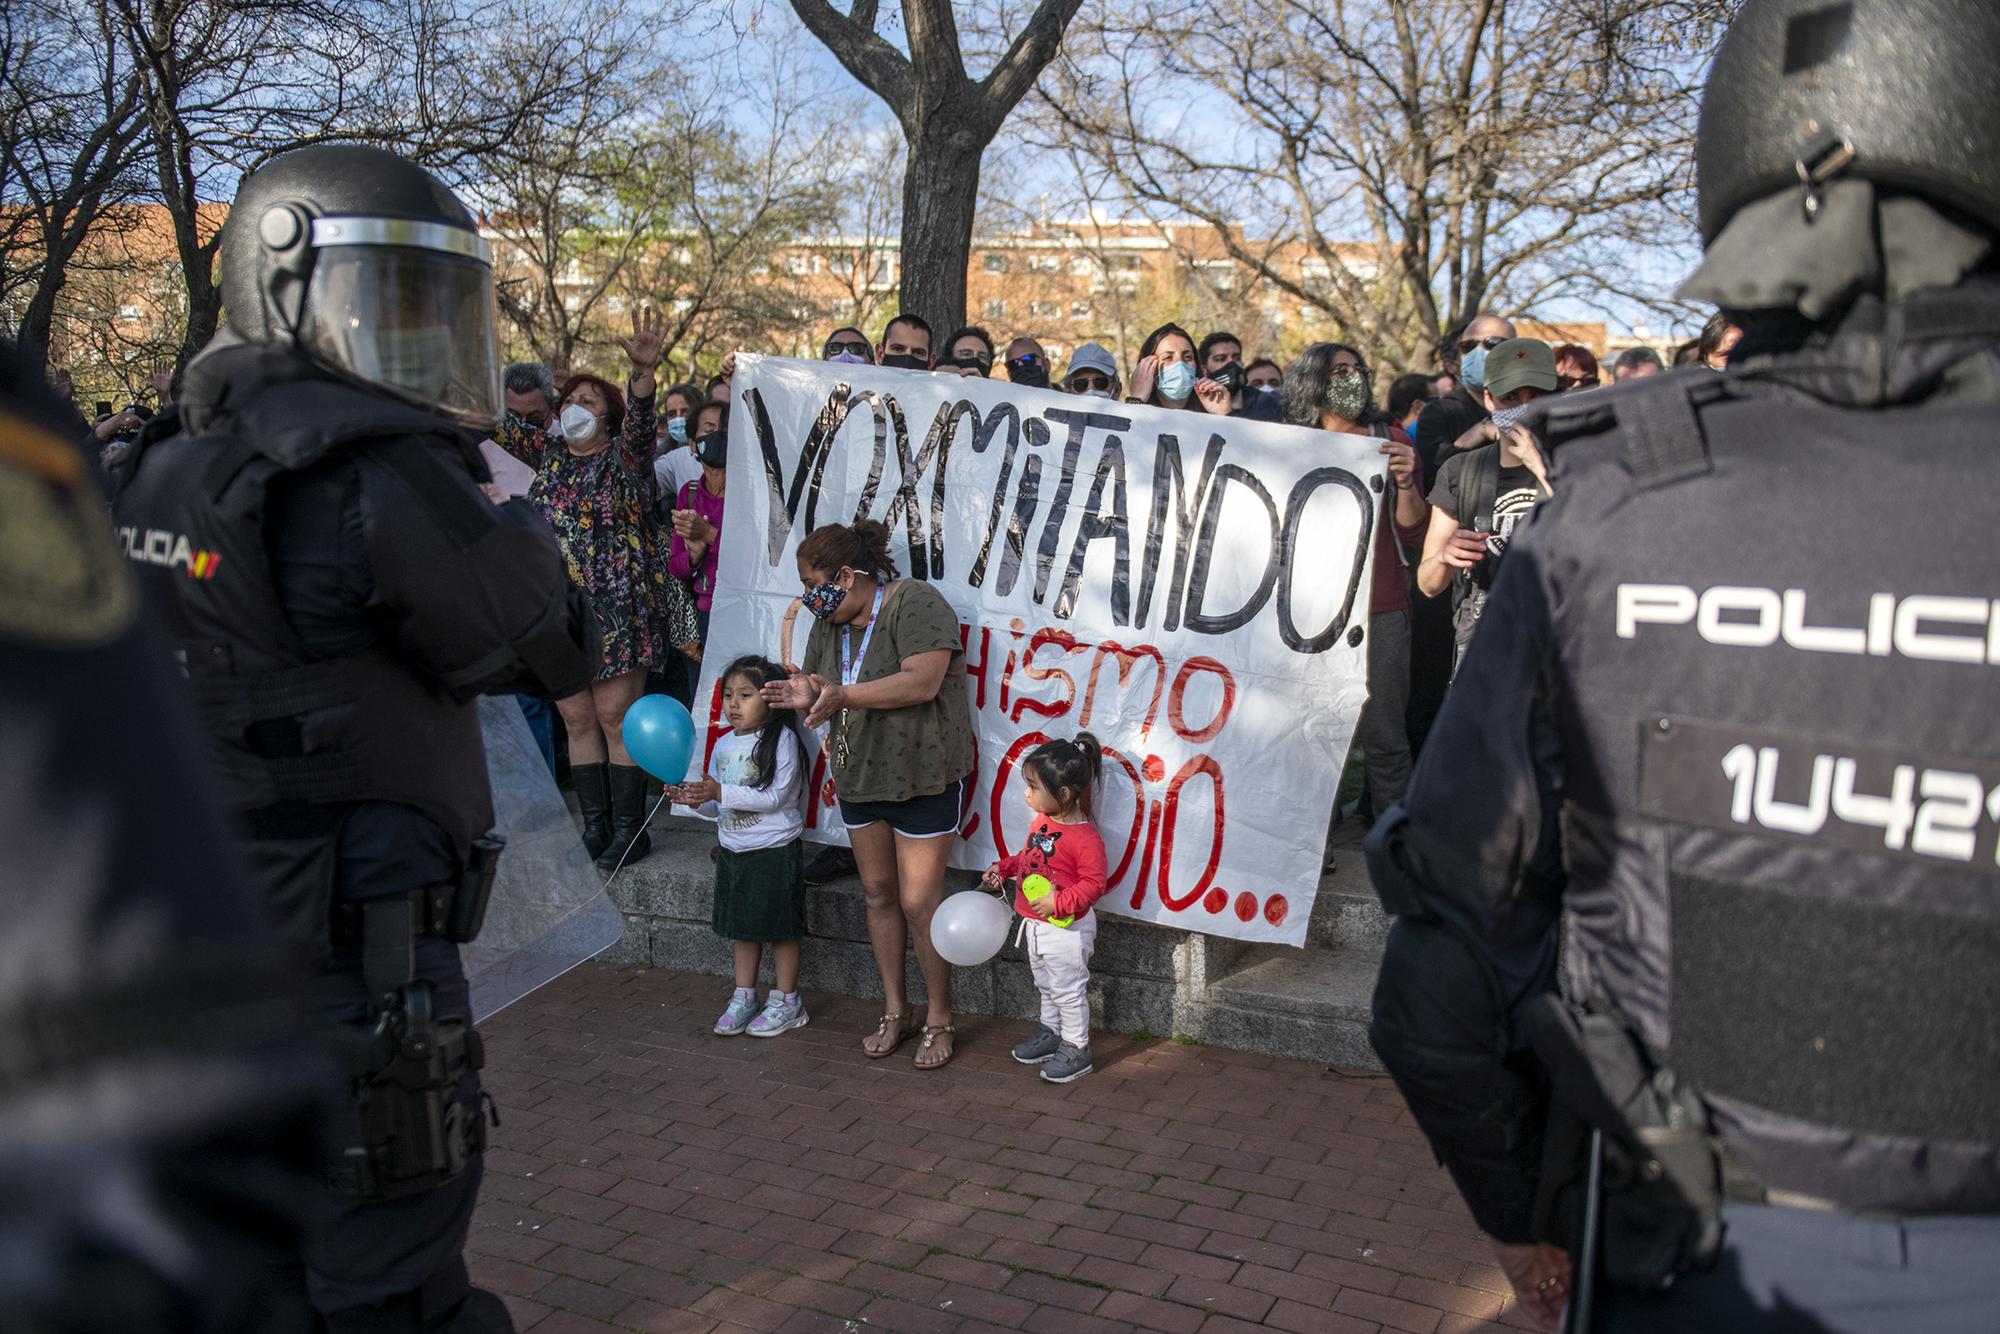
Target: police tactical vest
column 292, row 732
column 1776, row 620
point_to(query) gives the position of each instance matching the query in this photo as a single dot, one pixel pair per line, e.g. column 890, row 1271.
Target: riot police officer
column 159, row 1087
column 1699, row 866
column 339, row 589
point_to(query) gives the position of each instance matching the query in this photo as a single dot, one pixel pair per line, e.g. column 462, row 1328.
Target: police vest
column 289, row 730
column 1776, row 621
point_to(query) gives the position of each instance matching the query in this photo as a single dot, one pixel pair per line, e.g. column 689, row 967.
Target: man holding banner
column 1191, row 589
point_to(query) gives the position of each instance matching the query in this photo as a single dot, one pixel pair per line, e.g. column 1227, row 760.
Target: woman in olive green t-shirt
column 884, row 671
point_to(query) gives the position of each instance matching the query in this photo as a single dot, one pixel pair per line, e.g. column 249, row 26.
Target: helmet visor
column 418, row 323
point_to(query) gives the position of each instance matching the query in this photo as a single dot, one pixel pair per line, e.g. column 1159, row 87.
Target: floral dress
column 601, row 507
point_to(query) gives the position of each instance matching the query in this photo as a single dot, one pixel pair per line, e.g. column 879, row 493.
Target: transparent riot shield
column 549, row 911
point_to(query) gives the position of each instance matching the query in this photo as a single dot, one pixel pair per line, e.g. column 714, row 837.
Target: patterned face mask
column 1347, row 396
column 825, row 600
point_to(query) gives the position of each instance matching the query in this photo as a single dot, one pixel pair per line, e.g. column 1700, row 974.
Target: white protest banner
column 1191, row 589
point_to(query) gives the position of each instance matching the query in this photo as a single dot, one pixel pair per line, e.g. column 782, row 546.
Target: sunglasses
column 1567, row 382
column 1079, row 383
column 1028, row 360
column 1341, row 370
column 834, row 348
column 1465, row 345
column 984, row 364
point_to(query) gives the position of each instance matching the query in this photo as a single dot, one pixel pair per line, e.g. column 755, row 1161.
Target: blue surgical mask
column 677, row 430
column 1177, row 381
column 1472, row 368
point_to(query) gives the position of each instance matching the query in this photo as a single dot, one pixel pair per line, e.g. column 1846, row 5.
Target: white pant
column 1060, row 957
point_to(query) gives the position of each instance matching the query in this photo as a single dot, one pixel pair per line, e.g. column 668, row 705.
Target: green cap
column 1518, row 363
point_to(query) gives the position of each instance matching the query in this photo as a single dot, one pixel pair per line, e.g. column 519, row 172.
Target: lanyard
column 850, row 667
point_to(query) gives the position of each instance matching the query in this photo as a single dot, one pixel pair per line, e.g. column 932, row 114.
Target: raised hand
column 649, row 337
column 163, row 382
column 1213, row 395
column 1145, row 376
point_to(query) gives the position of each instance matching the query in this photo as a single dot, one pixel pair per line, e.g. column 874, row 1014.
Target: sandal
column 903, row 1032
column 932, row 1032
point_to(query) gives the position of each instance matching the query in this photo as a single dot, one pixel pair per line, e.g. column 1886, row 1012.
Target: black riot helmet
column 1897, row 92
column 371, row 268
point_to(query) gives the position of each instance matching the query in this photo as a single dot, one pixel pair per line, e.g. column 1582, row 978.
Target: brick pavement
column 648, row 1175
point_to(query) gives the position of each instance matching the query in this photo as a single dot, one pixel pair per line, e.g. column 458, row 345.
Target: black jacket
column 1722, row 721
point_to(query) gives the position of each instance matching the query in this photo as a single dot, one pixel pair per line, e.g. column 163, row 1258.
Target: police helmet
column 1898, row 92
column 371, row 268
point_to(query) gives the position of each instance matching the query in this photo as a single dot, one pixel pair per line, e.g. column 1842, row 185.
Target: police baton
column 1580, row 1313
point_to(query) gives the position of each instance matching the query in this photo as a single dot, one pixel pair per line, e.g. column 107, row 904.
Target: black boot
column 593, row 802
column 628, row 817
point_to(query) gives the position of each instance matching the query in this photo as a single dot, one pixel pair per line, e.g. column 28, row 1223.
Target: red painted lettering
column 1066, row 641
column 1024, row 743
column 1138, row 814
column 1175, row 696
column 1128, row 660
column 977, row 672
column 1200, row 764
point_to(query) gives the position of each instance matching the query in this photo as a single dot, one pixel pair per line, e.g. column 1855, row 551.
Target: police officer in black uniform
column 160, row 1089
column 339, row 589
column 1694, row 979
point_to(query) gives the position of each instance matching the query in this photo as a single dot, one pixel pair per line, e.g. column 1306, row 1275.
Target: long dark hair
column 1306, row 379
column 778, row 723
column 1067, row 766
column 1152, row 343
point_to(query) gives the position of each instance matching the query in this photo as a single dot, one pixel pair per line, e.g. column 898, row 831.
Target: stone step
column 1310, row 1003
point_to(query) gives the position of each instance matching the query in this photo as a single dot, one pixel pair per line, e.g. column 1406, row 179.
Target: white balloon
column 970, row 927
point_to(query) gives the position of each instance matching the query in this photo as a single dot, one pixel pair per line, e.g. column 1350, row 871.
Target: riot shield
column 549, row 911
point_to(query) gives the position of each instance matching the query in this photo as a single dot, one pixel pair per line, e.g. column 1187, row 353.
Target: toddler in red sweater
column 1058, row 877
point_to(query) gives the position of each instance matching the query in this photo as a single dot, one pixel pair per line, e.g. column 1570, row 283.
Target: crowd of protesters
column 633, row 480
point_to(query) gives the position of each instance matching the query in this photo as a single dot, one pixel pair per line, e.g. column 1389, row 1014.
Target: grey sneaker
column 780, row 1016
column 736, row 1018
column 1038, row 1048
column 1069, row 1063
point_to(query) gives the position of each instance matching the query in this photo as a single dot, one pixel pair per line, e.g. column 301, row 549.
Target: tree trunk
column 37, row 327
column 204, row 303
column 940, row 194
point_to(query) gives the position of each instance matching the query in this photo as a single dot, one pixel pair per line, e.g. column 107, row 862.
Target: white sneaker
column 736, row 1018
column 780, row 1016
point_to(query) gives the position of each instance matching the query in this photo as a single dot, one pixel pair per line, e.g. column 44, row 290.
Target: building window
column 1079, row 310
column 996, row 310
column 1046, row 263
column 796, row 265
column 1082, row 266
column 1043, row 310
column 995, row 263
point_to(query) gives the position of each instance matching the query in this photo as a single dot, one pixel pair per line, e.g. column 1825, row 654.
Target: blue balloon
column 659, row 734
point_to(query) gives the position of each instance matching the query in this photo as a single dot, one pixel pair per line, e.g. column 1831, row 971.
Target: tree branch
column 880, row 67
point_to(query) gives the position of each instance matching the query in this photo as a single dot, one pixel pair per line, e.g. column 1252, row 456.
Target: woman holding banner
column 883, row 672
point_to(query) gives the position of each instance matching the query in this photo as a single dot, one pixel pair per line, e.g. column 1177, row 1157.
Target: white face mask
column 578, row 423
column 1096, row 393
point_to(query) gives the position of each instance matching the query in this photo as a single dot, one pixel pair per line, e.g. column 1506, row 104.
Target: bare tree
column 947, row 118
column 71, row 128
column 869, row 227
column 1410, row 162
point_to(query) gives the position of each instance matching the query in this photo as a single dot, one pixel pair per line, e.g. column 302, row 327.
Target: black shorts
column 934, row 816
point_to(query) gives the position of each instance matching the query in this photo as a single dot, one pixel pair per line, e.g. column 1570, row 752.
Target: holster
column 1664, row 1169
column 406, row 1065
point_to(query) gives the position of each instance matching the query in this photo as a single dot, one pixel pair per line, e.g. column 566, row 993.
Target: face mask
column 578, row 423
column 1347, row 396
column 1177, row 381
column 713, row 449
column 1264, row 388
column 1035, row 377
column 1095, row 393
column 677, row 430
column 824, row 601
column 849, row 357
column 1505, row 419
column 1472, row 369
column 1230, row 377
column 969, row 361
column 903, row 361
